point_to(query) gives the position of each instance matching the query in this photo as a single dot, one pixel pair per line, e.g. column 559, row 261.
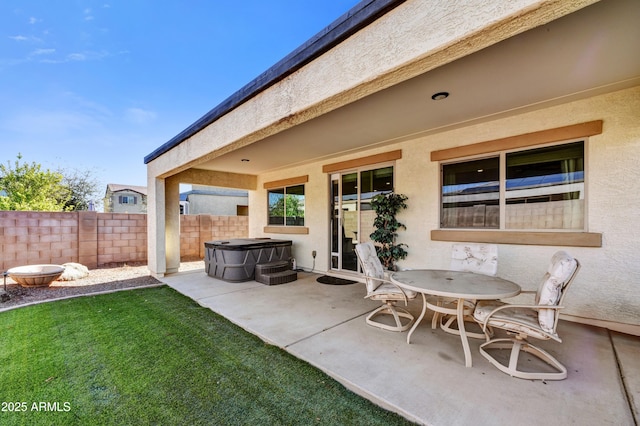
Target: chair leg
column 516, row 346
column 451, row 319
column 437, row 305
column 397, row 313
column 446, row 320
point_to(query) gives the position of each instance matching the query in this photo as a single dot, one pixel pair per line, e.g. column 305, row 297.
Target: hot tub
column 235, row 260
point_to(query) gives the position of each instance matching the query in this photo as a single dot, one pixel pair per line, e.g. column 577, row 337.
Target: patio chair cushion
column 484, row 307
column 371, row 265
column 476, row 258
column 560, row 270
column 520, row 320
column 387, row 291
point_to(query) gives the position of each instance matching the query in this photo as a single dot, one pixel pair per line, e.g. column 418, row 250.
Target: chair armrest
column 387, row 280
column 404, row 295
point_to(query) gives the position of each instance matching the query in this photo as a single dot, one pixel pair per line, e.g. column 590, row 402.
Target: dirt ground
column 99, row 280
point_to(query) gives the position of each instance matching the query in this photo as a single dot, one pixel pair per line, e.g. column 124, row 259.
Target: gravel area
column 99, row 280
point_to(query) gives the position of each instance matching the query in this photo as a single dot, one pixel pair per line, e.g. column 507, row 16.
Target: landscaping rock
column 73, row 271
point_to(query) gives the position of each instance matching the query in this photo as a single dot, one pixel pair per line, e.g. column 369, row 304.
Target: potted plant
column 387, row 207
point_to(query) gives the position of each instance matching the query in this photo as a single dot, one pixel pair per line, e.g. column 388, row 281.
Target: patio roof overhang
column 588, row 52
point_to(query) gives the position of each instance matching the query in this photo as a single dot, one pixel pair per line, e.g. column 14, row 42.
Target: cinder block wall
column 189, row 237
column 101, row 239
column 218, row 228
column 121, row 238
column 37, row 237
column 195, row 230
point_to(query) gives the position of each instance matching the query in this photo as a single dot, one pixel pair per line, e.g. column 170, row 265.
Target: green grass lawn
column 153, row 356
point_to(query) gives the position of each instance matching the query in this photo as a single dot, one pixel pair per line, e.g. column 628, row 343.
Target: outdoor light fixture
column 440, row 96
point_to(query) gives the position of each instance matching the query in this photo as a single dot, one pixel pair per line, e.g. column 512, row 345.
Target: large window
column 286, row 206
column 471, row 194
column 532, row 189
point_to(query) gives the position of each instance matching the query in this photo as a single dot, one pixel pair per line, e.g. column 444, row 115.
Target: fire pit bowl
column 35, row 275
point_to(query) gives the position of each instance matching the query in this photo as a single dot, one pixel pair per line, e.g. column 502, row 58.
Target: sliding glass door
column 352, row 216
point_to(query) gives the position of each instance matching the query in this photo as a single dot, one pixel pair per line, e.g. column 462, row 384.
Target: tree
column 25, row 186
column 83, row 188
column 289, row 207
column 387, row 207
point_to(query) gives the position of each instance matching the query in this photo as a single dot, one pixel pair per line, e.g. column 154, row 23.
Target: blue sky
column 100, row 84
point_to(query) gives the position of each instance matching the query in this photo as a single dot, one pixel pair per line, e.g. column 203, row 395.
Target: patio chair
column 538, row 320
column 476, row 258
column 379, row 287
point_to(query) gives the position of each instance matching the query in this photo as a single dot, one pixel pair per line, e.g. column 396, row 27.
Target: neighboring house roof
column 214, row 192
column 360, row 16
column 114, row 187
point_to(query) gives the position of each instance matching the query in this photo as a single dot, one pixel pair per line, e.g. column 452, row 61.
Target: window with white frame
column 528, row 189
column 286, row 205
column 127, row 199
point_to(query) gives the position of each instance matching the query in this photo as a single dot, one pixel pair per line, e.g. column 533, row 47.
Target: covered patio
column 507, row 123
column 442, row 102
column 427, row 381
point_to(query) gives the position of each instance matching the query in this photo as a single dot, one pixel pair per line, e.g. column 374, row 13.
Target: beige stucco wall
column 223, row 205
column 608, row 286
column 415, row 37
column 316, row 213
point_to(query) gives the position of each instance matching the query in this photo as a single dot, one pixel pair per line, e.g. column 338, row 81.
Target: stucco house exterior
column 216, row 201
column 125, row 199
column 507, row 122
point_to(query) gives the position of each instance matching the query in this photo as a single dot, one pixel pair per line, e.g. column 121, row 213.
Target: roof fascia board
column 360, row 16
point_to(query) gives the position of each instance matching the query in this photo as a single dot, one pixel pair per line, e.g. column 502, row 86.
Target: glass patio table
column 455, row 285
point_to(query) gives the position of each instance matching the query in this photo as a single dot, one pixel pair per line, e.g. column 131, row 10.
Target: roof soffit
column 484, row 84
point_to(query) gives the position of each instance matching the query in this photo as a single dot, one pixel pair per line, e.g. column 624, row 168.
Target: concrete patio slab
column 195, row 285
column 426, row 381
column 281, row 314
column 627, row 349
